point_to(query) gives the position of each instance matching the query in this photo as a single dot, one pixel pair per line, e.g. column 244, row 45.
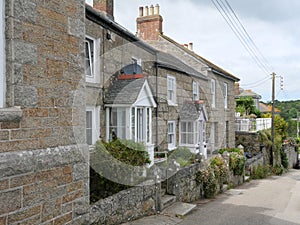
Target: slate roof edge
column 215, row 68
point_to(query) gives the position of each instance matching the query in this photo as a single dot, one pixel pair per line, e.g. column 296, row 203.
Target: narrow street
column 272, row 201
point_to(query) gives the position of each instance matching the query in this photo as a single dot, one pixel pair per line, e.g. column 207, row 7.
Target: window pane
column 89, row 127
column 89, row 57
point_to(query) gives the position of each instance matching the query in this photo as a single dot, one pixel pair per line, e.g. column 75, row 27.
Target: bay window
column 130, row 123
column 189, row 132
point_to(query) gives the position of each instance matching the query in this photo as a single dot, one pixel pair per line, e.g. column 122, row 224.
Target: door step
column 179, row 209
column 167, row 200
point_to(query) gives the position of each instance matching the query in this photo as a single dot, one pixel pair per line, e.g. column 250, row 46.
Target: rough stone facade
column 292, row 154
column 220, row 116
column 43, row 159
column 127, row 205
column 250, row 141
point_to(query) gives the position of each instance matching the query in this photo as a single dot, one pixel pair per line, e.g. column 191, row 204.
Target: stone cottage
column 216, row 91
column 71, row 75
column 44, row 176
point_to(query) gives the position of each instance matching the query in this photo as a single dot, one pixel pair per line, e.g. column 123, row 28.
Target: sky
column 273, row 25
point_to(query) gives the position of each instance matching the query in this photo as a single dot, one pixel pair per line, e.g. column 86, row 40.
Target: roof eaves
column 110, row 24
column 216, row 68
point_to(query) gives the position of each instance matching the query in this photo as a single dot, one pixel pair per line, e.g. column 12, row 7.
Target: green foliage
column 245, row 105
column 208, row 179
column 114, row 153
column 277, row 170
column 261, row 172
column 284, row 160
column 236, row 160
column 101, row 187
column 229, row 150
column 183, row 156
column 126, row 151
column 220, row 169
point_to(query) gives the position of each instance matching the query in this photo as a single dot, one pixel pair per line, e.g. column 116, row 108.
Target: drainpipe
column 156, row 111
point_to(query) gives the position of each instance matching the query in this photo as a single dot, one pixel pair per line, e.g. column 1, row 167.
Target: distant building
column 240, row 92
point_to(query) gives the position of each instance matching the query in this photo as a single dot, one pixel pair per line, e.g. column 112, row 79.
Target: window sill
column 10, row 114
column 172, row 103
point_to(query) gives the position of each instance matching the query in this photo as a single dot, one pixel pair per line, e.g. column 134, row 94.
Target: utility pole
column 273, row 119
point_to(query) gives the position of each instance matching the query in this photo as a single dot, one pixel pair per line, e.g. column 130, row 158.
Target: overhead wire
column 240, row 32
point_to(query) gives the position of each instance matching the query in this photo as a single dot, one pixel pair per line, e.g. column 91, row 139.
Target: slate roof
column 248, row 93
column 214, row 67
column 189, row 112
column 124, row 91
column 171, row 62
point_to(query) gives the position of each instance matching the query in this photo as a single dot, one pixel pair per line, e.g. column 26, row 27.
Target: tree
column 245, row 104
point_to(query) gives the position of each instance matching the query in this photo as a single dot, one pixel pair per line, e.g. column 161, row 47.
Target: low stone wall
column 46, row 186
column 183, row 184
column 254, row 162
column 292, row 154
column 126, row 205
column 250, row 142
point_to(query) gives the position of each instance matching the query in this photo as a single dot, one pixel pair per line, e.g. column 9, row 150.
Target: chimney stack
column 105, row 6
column 149, row 23
column 237, row 88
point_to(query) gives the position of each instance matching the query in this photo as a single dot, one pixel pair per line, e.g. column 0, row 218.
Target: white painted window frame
column 172, row 146
column 213, row 93
column 196, row 95
column 95, row 122
column 171, row 87
column 225, row 95
column 90, row 2
column 195, row 133
column 95, row 62
column 2, row 55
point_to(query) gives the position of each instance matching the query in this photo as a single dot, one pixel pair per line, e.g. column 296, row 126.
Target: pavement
column 272, row 201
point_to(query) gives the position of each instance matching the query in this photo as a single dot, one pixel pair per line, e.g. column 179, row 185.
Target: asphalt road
column 273, row 201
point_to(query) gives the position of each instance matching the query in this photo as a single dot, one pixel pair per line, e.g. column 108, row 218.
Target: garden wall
column 126, row 205
column 292, row 154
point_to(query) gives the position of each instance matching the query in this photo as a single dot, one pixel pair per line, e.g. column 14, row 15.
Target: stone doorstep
column 167, row 200
column 179, row 209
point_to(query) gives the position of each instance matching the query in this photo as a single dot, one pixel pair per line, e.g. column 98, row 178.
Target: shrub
column 284, row 159
column 114, row 156
column 182, row 155
column 261, row 172
column 220, row 169
column 208, row 179
column 236, row 160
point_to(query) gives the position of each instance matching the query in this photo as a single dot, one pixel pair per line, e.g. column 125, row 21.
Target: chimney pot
column 151, row 13
column 191, row 46
column 146, row 11
column 156, row 9
column 141, row 10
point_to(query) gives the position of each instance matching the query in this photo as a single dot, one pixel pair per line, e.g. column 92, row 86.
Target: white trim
column 171, row 98
column 95, row 63
column 2, row 55
column 196, row 95
column 225, row 95
column 213, row 93
column 90, row 2
column 95, row 122
column 141, row 98
column 172, row 146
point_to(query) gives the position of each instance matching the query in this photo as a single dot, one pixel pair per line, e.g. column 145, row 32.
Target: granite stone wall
column 126, row 205
column 43, row 156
